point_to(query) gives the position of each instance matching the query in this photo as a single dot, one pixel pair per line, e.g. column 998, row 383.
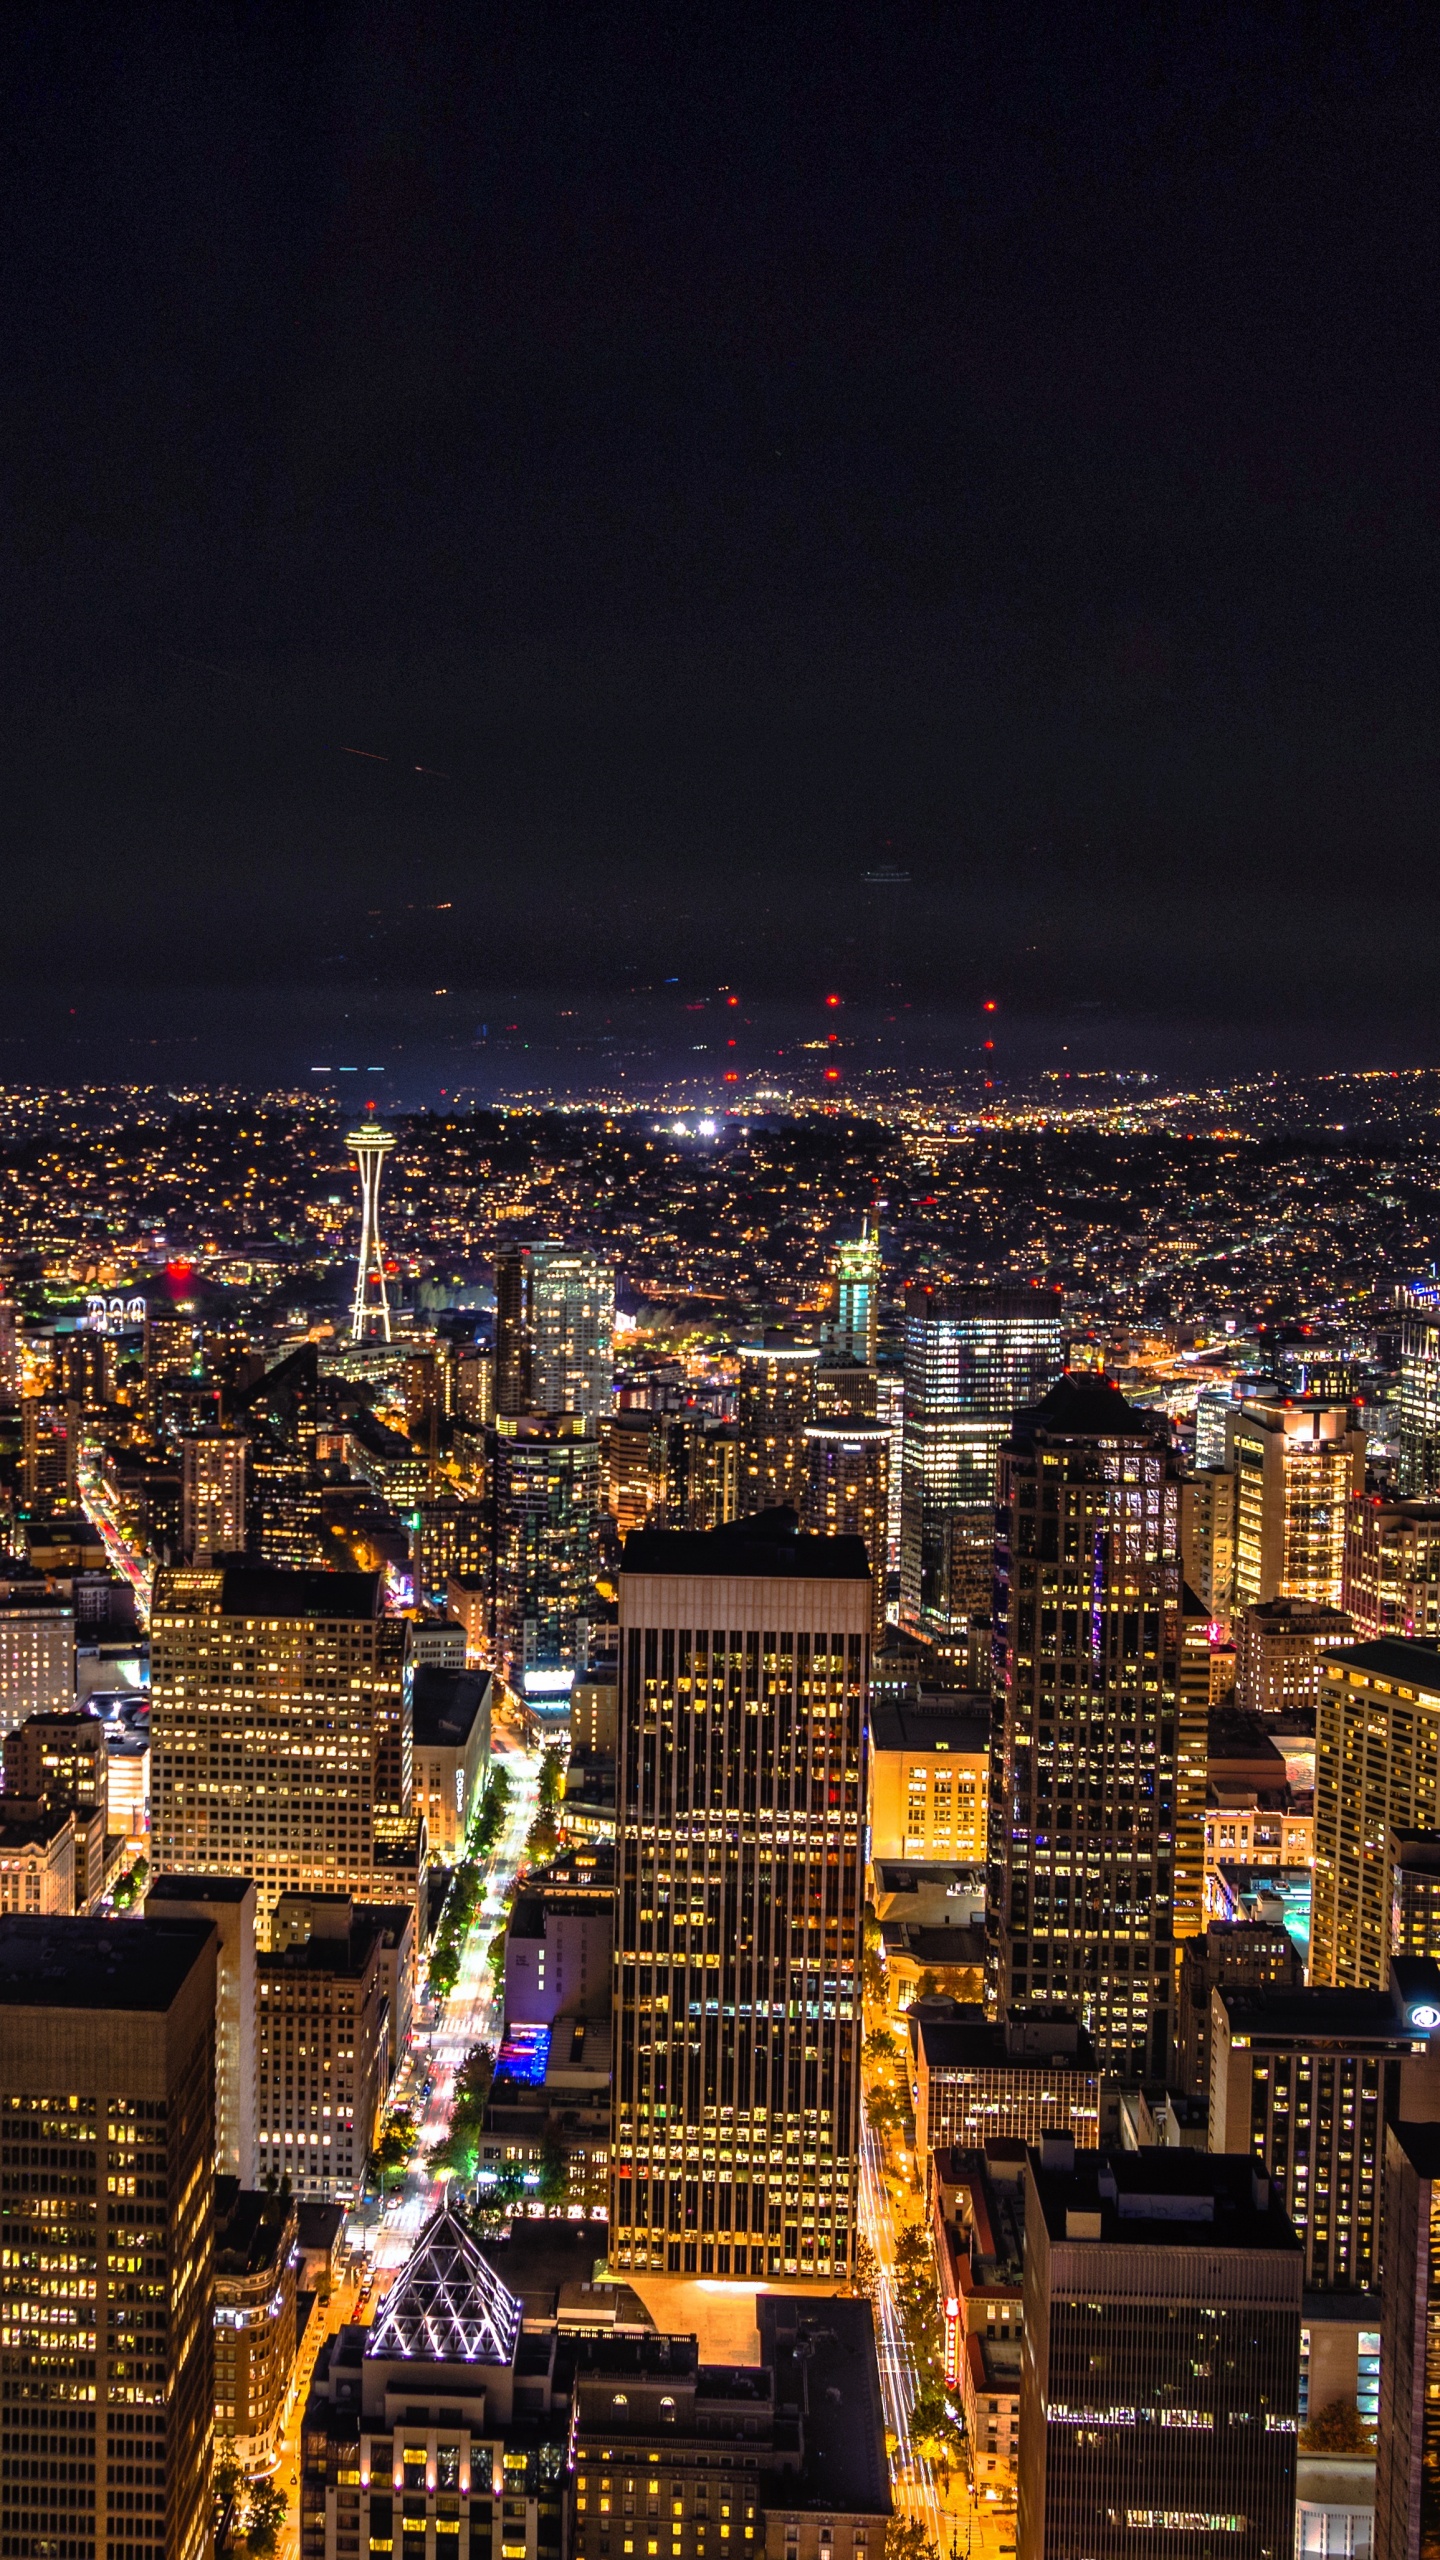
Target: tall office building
column 847, row 1492
column 227, row 1905
column 547, row 1551
column 1308, row 2080
column 554, row 1330
column 37, row 1658
column 735, row 2132
column 279, row 1729
column 1377, row 1773
column 1207, row 1538
column 1407, row 2476
column 777, row 1403
column 1279, row 1645
column 974, row 1357
column 1392, row 1568
column 212, row 1495
column 106, row 2141
column 703, row 1472
column 1160, row 2367
column 1297, row 1466
column 855, row 1311
column 1089, row 1819
column 1419, row 1306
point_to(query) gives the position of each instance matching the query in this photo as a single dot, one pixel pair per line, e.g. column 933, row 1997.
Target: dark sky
column 726, row 449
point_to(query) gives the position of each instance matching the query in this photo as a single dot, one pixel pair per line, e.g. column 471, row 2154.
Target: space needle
column 370, row 1145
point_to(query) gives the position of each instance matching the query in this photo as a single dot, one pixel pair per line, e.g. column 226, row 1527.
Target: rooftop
column 1400, row 1658
column 1160, row 2198
column 950, row 1720
column 97, row 1964
column 447, row 2305
column 1314, row 2013
column 1085, row 1406
column 1033, row 2043
column 766, row 1545
column 445, row 1704
column 199, row 1889
column 249, row 2228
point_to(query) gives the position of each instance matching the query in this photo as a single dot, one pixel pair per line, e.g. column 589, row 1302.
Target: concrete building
column 450, row 1745
column 39, row 1866
column 280, row 1731
column 847, row 1491
column 1298, row 1463
column 1207, row 1539
column 777, row 1406
column 1377, row 1774
column 106, row 2153
column 1279, row 1644
column 980, row 2080
column 228, row 1904
column 1419, row 1305
column 929, row 1778
column 61, row 1755
column 1407, row 2486
column 739, row 1830
column 974, row 1358
column 212, row 1495
column 1096, row 1763
column 976, row 2198
column 1308, row 2080
column 1161, row 2356
column 321, row 2044
column 1415, row 1893
column 37, row 1658
column 255, row 2261
column 1392, row 1569
column 1249, row 1954
column 558, row 1951
column 450, row 1540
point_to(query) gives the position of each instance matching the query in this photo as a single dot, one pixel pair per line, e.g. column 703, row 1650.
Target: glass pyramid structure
column 447, row 2305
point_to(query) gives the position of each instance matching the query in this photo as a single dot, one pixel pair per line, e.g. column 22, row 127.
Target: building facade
column 106, row 2157
column 256, row 2252
column 321, row 2045
column 1419, row 1306
column 1093, row 1782
column 847, row 1492
column 1407, row 2483
column 1392, row 1569
column 227, row 1904
column 1298, row 1465
column 777, row 1406
column 979, row 2080
column 554, row 1331
column 213, row 1499
column 929, row 1774
column 280, row 1734
column 974, row 1357
column 1377, row 1773
column 547, row 1541
column 739, row 1832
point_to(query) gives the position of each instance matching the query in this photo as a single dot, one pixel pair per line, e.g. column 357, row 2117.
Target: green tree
column 882, row 2049
column 266, row 2516
column 906, row 2539
column 226, row 2477
column 554, row 2172
column 867, row 2271
column 552, row 1778
column 882, row 2113
column 1337, row 2428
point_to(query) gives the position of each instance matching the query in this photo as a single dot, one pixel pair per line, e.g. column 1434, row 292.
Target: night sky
column 536, row 503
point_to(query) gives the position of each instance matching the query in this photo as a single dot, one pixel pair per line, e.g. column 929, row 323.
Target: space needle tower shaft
column 370, row 1145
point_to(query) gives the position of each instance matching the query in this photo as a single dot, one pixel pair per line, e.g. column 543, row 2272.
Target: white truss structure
column 447, row 2306
column 370, row 1145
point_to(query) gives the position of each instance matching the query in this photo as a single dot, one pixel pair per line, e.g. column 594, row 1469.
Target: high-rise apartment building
column 855, row 1311
column 1297, row 1466
column 1392, row 1568
column 213, row 1519
column 1308, row 2080
column 60, row 1755
column 280, row 1734
column 703, row 1488
column 1419, row 1306
column 227, row 1905
column 1377, row 1773
column 1407, row 2477
column 635, row 1447
column 106, row 2158
column 554, row 1331
column 450, row 1540
column 777, row 1405
column 49, row 1449
column 37, row 1658
column 735, row 2131
column 321, row 2043
column 1415, row 1893
column 974, row 1357
column 1160, row 2366
column 847, row 1492
column 547, row 1551
column 1207, row 1538
column 1096, row 1791
column 1251, row 1953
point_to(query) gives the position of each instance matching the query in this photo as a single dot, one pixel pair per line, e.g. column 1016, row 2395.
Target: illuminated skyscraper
column 847, row 1492
column 1377, row 1775
column 49, row 1445
column 547, row 1550
column 777, row 1403
column 743, row 1671
column 554, row 1331
column 973, row 1359
column 370, row 1144
column 1297, row 1465
column 107, row 2394
column 1392, row 1568
column 280, row 1732
column 1085, row 1795
column 1419, row 1306
column 855, row 1321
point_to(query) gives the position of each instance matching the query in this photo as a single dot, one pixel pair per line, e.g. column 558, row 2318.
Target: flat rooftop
column 1317, row 2012
column 445, row 1704
column 768, row 1545
column 263, row 1591
column 953, row 1720
column 198, row 1889
column 1166, row 2199
column 97, row 1964
column 1399, row 1658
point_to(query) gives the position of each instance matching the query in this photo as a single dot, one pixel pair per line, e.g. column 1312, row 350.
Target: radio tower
column 370, row 1145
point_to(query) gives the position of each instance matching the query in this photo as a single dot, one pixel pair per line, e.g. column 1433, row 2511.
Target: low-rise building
column 979, row 2080
column 545, row 2139
column 977, row 2227
column 37, row 1860
column 929, row 1773
column 255, row 2273
column 450, row 1752
column 1279, row 1644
